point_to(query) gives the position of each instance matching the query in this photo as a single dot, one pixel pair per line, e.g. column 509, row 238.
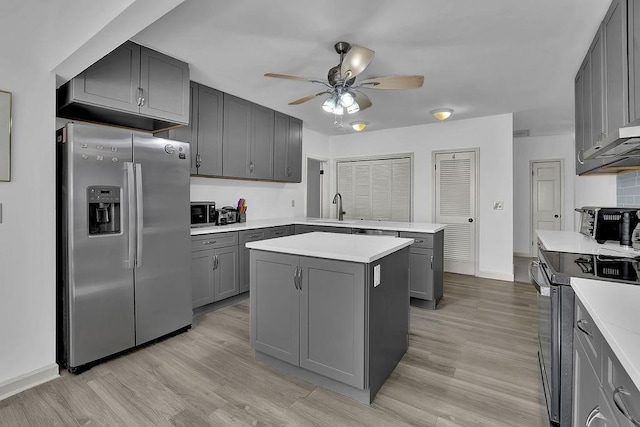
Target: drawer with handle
column 278, row 232
column 247, row 236
column 587, row 332
column 214, row 240
column 421, row 240
column 623, row 396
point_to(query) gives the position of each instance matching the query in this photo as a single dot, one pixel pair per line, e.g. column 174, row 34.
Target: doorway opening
column 317, row 188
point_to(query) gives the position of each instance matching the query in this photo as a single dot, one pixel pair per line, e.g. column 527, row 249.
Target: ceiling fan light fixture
column 329, row 105
column 442, row 114
column 353, row 108
column 359, row 126
column 347, row 99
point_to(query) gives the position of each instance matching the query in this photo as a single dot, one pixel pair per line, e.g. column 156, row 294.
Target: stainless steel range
column 551, row 275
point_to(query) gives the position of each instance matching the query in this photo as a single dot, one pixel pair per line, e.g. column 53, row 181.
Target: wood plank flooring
column 472, row 362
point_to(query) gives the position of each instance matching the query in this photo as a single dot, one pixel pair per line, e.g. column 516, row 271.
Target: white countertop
column 415, row 227
column 344, row 247
column 572, row 241
column 615, row 308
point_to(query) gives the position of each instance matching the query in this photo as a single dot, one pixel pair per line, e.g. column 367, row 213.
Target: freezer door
column 98, row 286
column 163, row 258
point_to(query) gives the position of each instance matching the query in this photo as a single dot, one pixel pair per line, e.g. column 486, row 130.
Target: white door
column 455, row 204
column 546, row 197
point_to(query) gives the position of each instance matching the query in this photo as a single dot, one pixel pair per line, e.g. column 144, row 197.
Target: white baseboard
column 522, row 254
column 26, row 381
column 496, row 276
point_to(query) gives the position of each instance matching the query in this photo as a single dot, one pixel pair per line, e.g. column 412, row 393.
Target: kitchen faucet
column 338, row 198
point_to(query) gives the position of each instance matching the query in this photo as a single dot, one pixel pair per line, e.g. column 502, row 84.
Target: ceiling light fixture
column 338, row 103
column 359, row 126
column 442, row 114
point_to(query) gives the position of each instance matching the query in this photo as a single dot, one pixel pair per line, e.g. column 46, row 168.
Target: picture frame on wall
column 5, row 136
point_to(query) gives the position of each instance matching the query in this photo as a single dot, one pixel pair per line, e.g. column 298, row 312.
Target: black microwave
column 203, row 214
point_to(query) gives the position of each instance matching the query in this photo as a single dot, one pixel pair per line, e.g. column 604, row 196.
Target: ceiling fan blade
column 307, row 98
column 393, row 82
column 287, row 76
column 363, row 100
column 355, row 61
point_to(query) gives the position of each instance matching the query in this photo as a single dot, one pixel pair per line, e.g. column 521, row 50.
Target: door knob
column 470, row 219
column 556, row 216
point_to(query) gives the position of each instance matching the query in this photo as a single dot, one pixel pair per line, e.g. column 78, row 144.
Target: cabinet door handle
column 253, row 236
column 578, row 156
column 251, row 167
column 300, row 278
column 198, row 160
column 579, row 325
column 418, row 241
column 288, row 171
column 295, row 278
column 140, row 97
column 622, row 407
column 209, row 242
column 431, row 262
column 595, row 413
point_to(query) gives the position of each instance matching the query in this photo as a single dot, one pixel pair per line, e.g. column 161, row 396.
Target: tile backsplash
column 628, row 189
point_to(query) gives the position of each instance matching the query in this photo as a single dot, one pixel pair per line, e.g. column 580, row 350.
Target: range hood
column 622, row 142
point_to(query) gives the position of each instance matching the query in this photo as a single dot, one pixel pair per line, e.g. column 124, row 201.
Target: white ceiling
column 480, row 58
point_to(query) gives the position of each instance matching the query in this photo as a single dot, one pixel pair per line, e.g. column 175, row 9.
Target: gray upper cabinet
column 111, row 82
column 209, row 131
column 606, row 86
column 616, row 100
column 236, row 141
column 261, row 138
column 133, row 86
column 164, row 86
column 287, row 149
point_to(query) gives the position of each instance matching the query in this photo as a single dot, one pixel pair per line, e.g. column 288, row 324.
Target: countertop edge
column 427, row 228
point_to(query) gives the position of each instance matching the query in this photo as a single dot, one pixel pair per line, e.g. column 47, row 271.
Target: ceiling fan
column 345, row 94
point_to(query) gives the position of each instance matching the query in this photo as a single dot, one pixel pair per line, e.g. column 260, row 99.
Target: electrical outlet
column 293, row 203
column 498, row 206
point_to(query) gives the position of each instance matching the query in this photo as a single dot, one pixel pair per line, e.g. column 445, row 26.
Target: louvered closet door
column 456, row 207
column 376, row 189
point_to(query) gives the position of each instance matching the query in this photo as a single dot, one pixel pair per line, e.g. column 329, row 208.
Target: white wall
column 27, row 231
column 555, row 147
column 33, row 45
column 493, row 135
column 265, row 200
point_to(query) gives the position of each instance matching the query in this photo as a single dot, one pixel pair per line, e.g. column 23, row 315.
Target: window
column 376, row 189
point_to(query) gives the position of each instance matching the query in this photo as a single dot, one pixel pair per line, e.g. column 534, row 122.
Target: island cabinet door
column 332, row 319
column 275, row 305
column 421, row 276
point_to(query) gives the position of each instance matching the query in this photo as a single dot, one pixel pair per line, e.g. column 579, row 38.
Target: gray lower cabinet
column 287, row 158
column 328, row 321
column 303, row 228
column 130, row 79
column 319, row 327
column 426, row 266
column 603, row 392
column 214, row 267
column 253, row 236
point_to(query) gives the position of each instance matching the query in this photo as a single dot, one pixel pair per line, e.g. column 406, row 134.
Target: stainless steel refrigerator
column 124, row 275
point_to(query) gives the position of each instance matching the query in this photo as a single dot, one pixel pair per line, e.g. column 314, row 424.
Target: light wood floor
column 472, row 362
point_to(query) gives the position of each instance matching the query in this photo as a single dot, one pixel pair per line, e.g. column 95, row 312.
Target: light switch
column 376, row 275
column 498, row 206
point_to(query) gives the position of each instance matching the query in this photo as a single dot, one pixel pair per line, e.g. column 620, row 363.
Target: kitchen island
column 332, row 309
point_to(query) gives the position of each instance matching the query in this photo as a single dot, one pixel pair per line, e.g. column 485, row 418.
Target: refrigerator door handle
column 131, row 201
column 139, row 216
